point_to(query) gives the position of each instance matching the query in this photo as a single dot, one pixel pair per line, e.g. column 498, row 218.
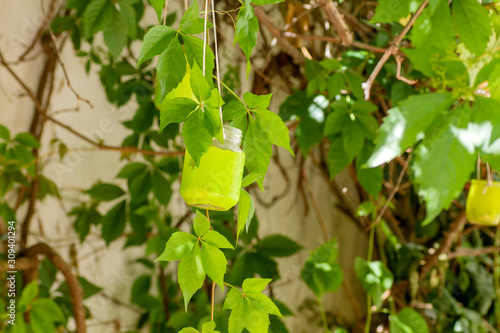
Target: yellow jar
column 483, row 203
column 216, row 183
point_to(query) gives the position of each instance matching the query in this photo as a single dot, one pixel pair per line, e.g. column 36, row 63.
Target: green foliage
column 408, row 321
column 199, row 256
column 321, row 272
column 250, row 308
column 375, row 278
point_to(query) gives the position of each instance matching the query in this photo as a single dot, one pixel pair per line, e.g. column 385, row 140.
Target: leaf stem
column 213, row 282
column 323, row 315
column 228, row 89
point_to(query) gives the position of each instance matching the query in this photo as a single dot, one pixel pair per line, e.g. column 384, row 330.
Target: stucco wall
column 112, row 268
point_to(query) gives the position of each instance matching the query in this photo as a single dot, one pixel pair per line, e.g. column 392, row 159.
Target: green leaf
column 393, row 10
column 245, row 212
column 321, row 272
column 198, row 134
column 188, row 330
column 408, row 321
column 105, row 192
column 275, row 128
column 132, row 170
column 375, row 278
column 94, row 18
column 191, row 20
column 40, row 323
column 258, row 149
column 115, row 32
column 171, row 67
column 158, row 7
column 372, row 178
column 337, row 157
column 201, row 224
column 190, row 274
column 4, row 133
column 250, row 179
column 407, row 124
column 355, row 82
column 28, row 295
column 26, row 139
column 247, row 28
column 353, row 138
column 216, row 239
column 179, row 245
column 193, row 46
column 234, row 110
column 156, row 40
column 335, row 84
column 250, row 308
column 214, row 263
column 161, row 188
column 176, row 111
column 48, row 309
column 277, row 246
column 199, row 84
column 113, row 223
column 209, row 327
column 129, row 15
column 473, row 24
column 441, row 168
column 260, row 102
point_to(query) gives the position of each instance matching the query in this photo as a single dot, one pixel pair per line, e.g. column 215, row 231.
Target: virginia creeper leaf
column 258, row 149
column 171, row 67
column 198, row 133
column 156, row 40
column 473, row 24
column 245, row 212
column 176, row 111
column 247, row 28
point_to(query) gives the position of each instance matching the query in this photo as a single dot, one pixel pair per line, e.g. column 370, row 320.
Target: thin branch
column 285, row 44
column 399, row 61
column 466, row 252
column 337, row 20
column 357, row 44
column 367, row 86
column 45, row 24
column 391, row 196
column 454, row 232
column 74, row 132
column 63, row 66
column 75, row 290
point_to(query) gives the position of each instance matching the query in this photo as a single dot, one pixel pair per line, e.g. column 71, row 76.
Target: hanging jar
column 216, row 183
column 483, row 202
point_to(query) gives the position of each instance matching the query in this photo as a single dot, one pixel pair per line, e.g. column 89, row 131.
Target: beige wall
column 113, row 268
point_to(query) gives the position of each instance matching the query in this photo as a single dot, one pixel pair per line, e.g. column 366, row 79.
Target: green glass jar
column 483, row 203
column 216, row 183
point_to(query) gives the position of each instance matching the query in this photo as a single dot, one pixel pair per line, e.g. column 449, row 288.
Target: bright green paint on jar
column 483, row 203
column 216, row 183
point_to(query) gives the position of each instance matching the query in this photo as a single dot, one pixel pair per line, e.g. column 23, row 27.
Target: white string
column 216, row 57
column 205, row 36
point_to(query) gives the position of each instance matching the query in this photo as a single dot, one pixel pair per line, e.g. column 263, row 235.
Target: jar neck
column 232, row 138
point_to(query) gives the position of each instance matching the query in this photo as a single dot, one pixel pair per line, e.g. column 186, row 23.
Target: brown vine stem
column 357, row 44
column 63, row 66
column 455, row 228
column 337, row 20
column 285, row 45
column 75, row 290
column 96, row 144
column 467, row 252
column 40, row 31
column 393, row 193
column 367, row 86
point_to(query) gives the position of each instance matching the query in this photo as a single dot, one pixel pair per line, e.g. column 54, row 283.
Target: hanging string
column 205, row 33
column 216, row 57
column 164, row 13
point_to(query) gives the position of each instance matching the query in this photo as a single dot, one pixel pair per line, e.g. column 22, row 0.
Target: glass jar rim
column 485, row 183
column 230, row 131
